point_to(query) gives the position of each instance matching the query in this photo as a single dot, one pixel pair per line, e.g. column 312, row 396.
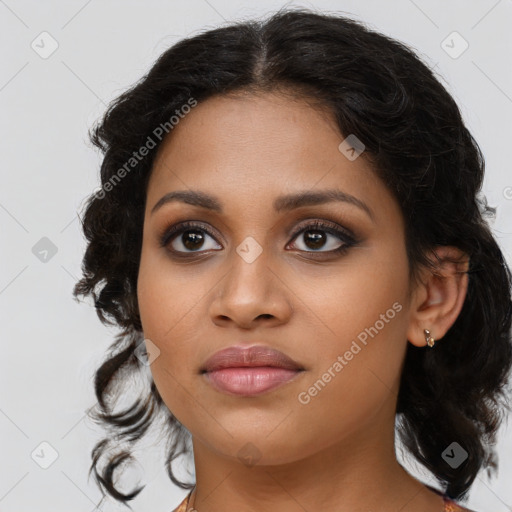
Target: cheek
column 168, row 305
column 357, row 371
column 364, row 300
column 167, row 297
column 361, row 313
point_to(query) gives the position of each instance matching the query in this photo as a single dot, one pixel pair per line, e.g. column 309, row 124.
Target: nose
column 251, row 294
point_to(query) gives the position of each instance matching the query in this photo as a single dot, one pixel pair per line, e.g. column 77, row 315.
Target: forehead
column 255, row 147
column 274, row 126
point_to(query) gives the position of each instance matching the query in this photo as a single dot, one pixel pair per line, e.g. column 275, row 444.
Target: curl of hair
column 417, row 143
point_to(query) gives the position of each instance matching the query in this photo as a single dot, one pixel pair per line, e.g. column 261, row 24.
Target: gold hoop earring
column 430, row 341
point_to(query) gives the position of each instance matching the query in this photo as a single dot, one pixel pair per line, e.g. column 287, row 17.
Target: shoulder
column 182, row 507
column 452, row 506
column 449, row 504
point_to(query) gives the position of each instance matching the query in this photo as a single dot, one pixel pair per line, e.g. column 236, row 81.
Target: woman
column 288, row 234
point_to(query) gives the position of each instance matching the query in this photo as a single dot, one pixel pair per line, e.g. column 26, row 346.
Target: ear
column 438, row 299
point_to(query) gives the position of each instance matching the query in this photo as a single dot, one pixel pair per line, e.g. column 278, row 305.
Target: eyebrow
column 282, row 203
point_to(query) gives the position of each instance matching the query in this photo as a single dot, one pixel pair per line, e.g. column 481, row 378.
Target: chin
column 254, row 448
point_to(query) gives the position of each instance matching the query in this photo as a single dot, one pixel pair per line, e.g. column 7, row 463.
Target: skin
column 337, row 451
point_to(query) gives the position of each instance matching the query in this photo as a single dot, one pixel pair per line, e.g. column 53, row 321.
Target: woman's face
column 248, row 272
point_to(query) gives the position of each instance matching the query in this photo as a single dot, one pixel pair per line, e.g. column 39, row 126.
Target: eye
column 319, row 235
column 188, row 237
column 324, row 237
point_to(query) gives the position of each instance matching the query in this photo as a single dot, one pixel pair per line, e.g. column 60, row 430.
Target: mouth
column 249, row 371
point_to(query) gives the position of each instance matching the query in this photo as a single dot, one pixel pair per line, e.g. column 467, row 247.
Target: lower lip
column 249, row 381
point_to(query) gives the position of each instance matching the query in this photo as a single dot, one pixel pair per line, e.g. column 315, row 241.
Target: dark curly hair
column 416, row 142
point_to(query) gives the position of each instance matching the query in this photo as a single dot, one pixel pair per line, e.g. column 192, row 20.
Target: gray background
column 52, row 345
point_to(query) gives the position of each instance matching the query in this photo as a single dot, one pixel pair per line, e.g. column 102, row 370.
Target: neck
column 355, row 475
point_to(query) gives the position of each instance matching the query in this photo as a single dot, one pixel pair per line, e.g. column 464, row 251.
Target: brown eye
column 319, row 235
column 314, row 239
column 189, row 237
column 192, row 240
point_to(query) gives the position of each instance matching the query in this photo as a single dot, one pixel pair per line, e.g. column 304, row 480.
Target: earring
column 430, row 341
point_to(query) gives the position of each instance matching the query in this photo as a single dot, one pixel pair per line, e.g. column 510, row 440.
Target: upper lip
column 256, row 355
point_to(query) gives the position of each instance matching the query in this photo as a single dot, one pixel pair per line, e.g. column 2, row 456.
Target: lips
column 243, row 357
column 249, row 371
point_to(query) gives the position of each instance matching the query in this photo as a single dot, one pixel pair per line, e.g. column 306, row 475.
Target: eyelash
column 169, row 234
